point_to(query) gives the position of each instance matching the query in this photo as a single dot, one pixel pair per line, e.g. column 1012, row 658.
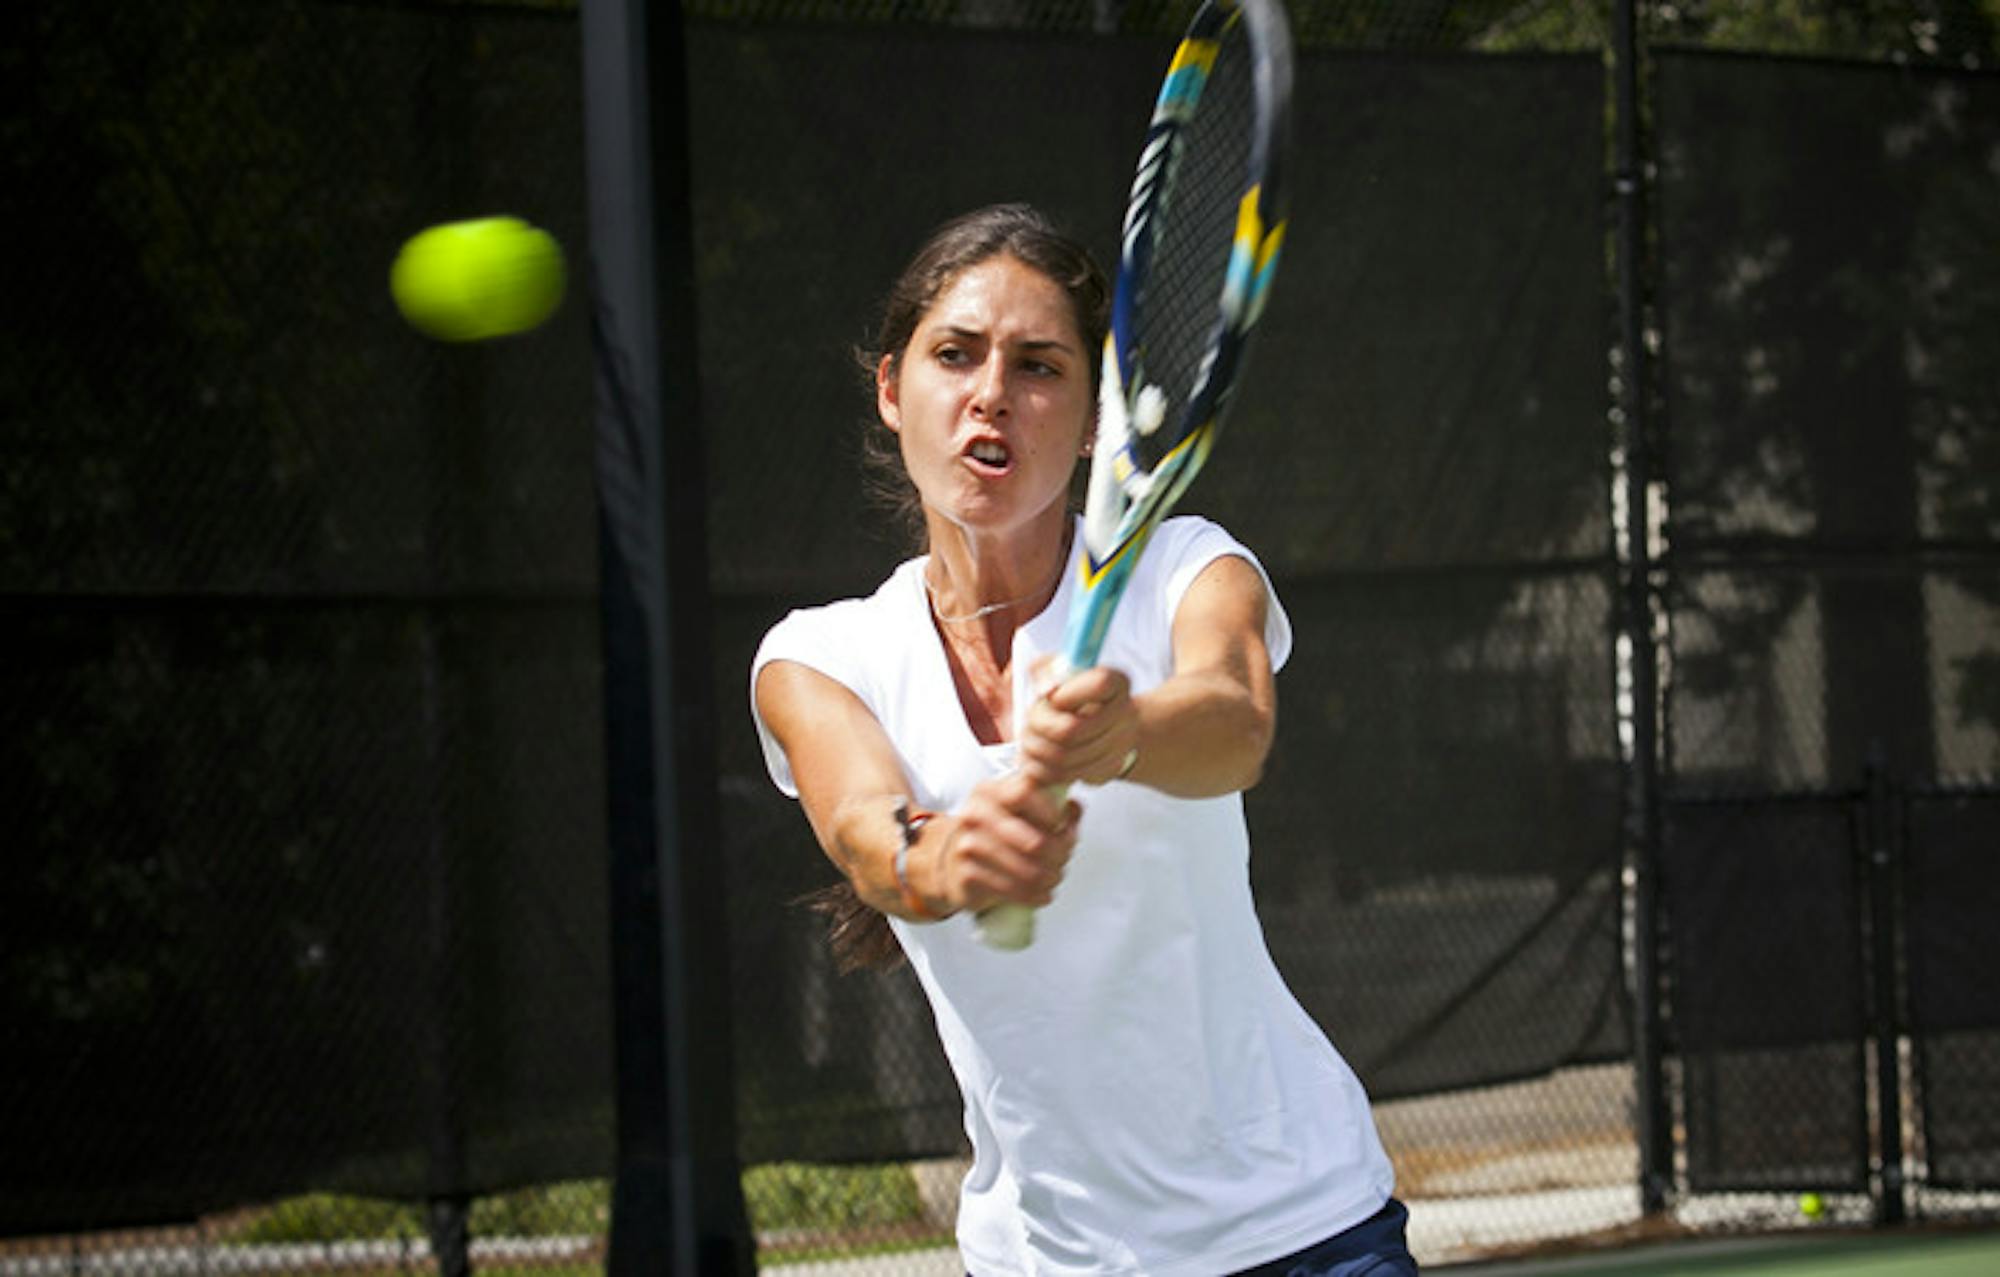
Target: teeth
column 991, row 453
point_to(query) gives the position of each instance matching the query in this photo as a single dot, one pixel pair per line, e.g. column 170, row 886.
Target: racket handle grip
column 1008, row 928
column 1011, row 927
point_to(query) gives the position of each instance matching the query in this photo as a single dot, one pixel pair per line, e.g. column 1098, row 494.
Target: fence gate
column 1951, row 951
column 1831, row 1018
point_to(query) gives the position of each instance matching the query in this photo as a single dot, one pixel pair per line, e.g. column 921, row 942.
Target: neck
column 970, row 579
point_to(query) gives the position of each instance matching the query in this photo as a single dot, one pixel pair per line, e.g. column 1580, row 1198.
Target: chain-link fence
column 304, row 956
column 1830, row 595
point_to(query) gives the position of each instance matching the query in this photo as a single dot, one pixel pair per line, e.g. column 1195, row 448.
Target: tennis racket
column 1202, row 233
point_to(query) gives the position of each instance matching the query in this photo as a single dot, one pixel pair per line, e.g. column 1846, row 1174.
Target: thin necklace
column 1061, row 562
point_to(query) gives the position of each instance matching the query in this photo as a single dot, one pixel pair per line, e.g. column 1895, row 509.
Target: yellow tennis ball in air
column 1811, row 1206
column 467, row 281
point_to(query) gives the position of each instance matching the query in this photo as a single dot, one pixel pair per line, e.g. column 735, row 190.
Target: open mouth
column 990, row 455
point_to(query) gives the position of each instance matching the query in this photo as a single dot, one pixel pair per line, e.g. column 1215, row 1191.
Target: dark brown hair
column 859, row 934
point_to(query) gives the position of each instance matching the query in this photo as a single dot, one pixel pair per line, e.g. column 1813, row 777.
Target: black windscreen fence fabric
column 1832, row 421
column 1954, row 878
column 1826, row 234
column 1770, row 991
column 302, row 719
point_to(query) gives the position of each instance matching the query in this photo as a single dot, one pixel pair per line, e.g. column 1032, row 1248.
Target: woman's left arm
column 1206, row 730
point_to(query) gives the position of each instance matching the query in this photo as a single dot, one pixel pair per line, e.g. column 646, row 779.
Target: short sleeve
column 1191, row 544
column 812, row 639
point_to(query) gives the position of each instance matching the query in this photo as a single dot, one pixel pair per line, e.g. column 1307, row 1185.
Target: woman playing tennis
column 1143, row 1093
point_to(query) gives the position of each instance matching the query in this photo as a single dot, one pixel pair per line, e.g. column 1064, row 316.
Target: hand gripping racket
column 1202, row 233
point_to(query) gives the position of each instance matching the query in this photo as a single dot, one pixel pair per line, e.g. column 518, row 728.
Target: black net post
column 677, row 1206
column 448, row 1221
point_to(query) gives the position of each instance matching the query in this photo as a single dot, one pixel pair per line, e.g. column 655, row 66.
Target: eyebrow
column 1039, row 343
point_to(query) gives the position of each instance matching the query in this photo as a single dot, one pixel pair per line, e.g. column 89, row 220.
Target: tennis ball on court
column 467, row 281
column 1811, row 1206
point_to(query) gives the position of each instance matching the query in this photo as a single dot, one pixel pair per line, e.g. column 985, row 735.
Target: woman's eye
column 951, row 355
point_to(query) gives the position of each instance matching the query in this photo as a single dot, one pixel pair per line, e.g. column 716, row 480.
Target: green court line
column 1843, row 1255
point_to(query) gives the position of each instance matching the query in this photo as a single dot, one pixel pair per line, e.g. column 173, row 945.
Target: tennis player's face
column 991, row 398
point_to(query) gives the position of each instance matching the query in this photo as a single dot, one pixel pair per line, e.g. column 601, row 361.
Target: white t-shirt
column 1142, row 1092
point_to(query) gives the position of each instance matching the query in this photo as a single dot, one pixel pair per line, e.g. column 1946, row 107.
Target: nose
column 989, row 387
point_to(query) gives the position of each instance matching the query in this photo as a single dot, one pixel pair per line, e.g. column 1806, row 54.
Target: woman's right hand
column 1009, row 842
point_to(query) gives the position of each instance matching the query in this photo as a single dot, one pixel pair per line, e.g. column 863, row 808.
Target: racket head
column 1199, row 247
column 1200, row 243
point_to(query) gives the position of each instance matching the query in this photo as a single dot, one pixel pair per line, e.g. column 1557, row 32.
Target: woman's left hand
column 1085, row 728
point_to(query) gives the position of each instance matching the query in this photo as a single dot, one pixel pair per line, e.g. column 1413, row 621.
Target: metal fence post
column 1886, row 1019
column 1642, row 800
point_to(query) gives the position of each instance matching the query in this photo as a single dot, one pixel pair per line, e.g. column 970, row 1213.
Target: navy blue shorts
column 1376, row 1247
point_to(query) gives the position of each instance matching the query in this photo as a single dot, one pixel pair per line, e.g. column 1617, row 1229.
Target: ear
column 886, row 404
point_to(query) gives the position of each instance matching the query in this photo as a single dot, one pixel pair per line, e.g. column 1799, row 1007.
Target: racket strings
column 1195, row 226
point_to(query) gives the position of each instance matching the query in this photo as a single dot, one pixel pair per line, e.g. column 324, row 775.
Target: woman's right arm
column 1007, row 842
